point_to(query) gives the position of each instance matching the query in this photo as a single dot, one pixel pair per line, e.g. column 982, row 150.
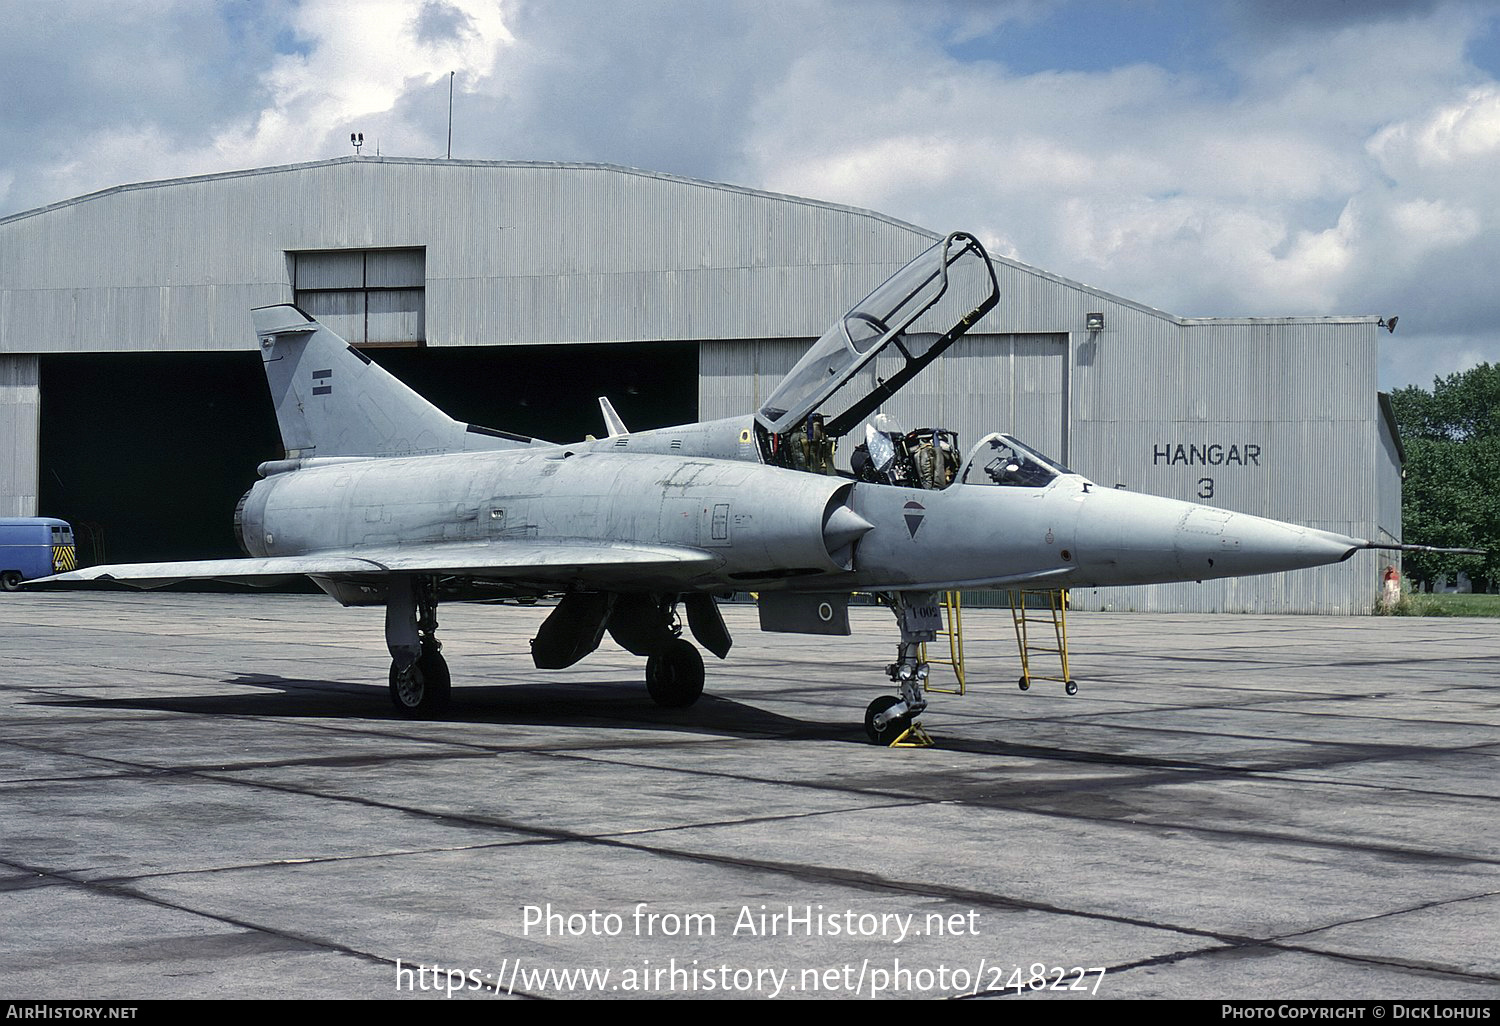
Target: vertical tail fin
column 331, row 400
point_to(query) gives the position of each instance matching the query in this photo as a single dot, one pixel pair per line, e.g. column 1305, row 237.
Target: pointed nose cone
column 1128, row 538
column 1217, row 543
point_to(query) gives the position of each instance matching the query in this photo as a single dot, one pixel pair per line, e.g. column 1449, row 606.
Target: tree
column 1451, row 495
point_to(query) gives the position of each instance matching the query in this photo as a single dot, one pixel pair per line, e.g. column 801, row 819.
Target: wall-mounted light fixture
column 1094, row 322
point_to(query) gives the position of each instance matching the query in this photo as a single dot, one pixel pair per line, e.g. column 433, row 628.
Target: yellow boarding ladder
column 1021, row 611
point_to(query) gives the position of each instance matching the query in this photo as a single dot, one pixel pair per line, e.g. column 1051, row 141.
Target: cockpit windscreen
column 1002, row 460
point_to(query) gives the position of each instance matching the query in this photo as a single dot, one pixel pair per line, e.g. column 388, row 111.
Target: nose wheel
column 891, row 720
column 882, row 728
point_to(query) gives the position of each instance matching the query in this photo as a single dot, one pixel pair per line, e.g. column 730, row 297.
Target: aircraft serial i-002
column 382, row 499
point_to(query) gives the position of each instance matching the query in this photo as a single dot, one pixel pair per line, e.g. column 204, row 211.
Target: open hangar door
column 148, row 453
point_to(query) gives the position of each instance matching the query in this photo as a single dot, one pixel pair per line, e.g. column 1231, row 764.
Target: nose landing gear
column 891, row 719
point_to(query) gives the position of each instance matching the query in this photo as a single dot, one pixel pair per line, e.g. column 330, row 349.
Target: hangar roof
column 511, row 253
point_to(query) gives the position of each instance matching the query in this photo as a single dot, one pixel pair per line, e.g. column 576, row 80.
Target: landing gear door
column 907, row 323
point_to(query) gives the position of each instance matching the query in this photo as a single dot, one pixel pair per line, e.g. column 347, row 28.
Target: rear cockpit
column 925, row 458
column 871, row 352
column 867, row 356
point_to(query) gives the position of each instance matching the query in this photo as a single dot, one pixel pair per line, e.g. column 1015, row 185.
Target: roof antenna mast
column 450, row 115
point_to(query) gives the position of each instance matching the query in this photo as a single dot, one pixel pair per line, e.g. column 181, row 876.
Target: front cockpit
column 1003, row 460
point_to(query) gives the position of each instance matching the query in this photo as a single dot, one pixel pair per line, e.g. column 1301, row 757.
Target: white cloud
column 1407, row 362
column 361, row 62
column 1433, row 224
column 169, row 89
column 1347, row 162
column 1451, row 133
column 1312, row 186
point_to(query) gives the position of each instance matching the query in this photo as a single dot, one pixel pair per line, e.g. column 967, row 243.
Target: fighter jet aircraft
column 384, row 500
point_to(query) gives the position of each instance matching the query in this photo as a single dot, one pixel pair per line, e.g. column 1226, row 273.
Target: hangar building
column 512, row 294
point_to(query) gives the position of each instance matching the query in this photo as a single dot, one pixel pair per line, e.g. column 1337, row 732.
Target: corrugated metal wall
column 1388, row 460
column 1272, row 417
column 515, row 253
column 20, row 406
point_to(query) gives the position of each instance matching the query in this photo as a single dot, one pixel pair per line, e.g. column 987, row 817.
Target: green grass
column 1419, row 604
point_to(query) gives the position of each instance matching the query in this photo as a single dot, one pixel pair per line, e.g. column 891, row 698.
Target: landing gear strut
column 890, row 718
column 420, row 685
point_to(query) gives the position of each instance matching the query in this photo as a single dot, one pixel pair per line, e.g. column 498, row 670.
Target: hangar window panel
column 372, row 297
column 395, row 269
column 341, row 312
column 331, row 270
column 396, row 317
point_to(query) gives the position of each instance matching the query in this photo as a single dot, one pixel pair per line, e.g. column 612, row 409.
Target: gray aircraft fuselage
column 768, row 528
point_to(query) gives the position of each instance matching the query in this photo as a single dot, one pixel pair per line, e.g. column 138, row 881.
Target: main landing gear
column 644, row 625
column 674, row 675
column 647, row 625
column 420, row 685
column 891, row 719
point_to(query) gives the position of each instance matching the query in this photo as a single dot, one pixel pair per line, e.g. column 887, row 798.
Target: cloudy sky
column 1207, row 157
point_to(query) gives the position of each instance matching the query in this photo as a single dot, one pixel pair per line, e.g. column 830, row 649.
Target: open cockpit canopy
column 905, row 324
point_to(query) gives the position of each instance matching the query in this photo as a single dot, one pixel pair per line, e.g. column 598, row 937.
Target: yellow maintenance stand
column 1026, row 610
column 1033, row 613
column 953, row 630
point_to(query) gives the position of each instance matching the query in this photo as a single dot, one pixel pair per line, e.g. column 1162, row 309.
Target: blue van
column 34, row 547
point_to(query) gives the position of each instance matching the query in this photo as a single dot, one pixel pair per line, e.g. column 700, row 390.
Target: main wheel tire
column 10, row 580
column 674, row 676
column 893, row 728
column 422, row 690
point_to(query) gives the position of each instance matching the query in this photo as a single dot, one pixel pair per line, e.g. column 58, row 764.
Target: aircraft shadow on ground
column 571, row 704
column 622, row 705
